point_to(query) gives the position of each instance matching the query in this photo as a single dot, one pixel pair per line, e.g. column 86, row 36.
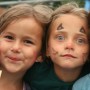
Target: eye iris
column 9, row 37
column 28, row 42
column 61, row 38
column 80, row 41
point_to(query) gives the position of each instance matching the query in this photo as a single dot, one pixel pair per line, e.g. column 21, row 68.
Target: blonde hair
column 20, row 11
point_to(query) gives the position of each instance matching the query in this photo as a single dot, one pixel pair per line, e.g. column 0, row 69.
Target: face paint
column 82, row 30
column 60, row 27
column 68, row 44
column 54, row 51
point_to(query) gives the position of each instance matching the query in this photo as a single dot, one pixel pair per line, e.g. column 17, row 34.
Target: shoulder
column 82, row 83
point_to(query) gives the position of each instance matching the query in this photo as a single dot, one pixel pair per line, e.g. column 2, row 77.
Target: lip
column 68, row 55
column 13, row 58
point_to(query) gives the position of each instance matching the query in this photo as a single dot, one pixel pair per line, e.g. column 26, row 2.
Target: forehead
column 69, row 22
column 25, row 26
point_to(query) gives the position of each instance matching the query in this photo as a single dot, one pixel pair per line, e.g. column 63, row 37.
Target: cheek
column 30, row 59
column 84, row 54
column 35, row 55
column 56, row 48
column 32, row 55
column 2, row 49
column 4, row 46
column 53, row 53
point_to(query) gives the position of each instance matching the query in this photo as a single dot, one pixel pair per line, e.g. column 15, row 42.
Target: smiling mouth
column 14, row 58
column 68, row 56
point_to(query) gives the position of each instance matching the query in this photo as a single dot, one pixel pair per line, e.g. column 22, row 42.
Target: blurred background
column 52, row 3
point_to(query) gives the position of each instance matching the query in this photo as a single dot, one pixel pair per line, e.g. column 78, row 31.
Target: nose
column 16, row 47
column 69, row 45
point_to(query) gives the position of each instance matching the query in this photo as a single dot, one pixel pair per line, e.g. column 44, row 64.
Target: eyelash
column 60, row 37
column 28, row 42
column 10, row 38
column 81, row 41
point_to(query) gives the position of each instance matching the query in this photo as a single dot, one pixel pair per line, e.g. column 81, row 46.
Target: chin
column 13, row 69
column 68, row 66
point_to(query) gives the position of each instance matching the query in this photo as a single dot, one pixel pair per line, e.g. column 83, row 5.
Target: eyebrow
column 82, row 30
column 5, row 33
column 60, row 27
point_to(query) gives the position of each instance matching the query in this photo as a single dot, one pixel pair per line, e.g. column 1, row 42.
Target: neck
column 11, row 81
column 67, row 75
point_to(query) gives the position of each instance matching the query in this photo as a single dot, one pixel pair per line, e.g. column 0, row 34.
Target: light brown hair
column 41, row 13
column 69, row 8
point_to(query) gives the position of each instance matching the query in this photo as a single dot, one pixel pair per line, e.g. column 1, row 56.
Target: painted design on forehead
column 82, row 30
column 60, row 27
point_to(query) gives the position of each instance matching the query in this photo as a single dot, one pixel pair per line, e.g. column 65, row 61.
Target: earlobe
column 39, row 59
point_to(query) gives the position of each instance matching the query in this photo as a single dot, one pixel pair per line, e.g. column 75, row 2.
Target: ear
column 39, row 59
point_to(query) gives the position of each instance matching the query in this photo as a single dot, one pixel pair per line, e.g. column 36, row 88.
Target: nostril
column 15, row 50
column 69, row 46
column 16, row 47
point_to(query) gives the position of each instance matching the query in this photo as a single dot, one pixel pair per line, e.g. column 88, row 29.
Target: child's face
column 68, row 43
column 20, row 44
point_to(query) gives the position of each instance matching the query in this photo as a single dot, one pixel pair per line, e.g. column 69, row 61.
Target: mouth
column 68, row 56
column 14, row 58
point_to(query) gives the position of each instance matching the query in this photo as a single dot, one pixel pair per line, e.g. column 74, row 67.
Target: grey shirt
column 83, row 83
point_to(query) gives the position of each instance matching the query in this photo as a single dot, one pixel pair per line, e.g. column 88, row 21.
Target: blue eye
column 60, row 38
column 81, row 41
